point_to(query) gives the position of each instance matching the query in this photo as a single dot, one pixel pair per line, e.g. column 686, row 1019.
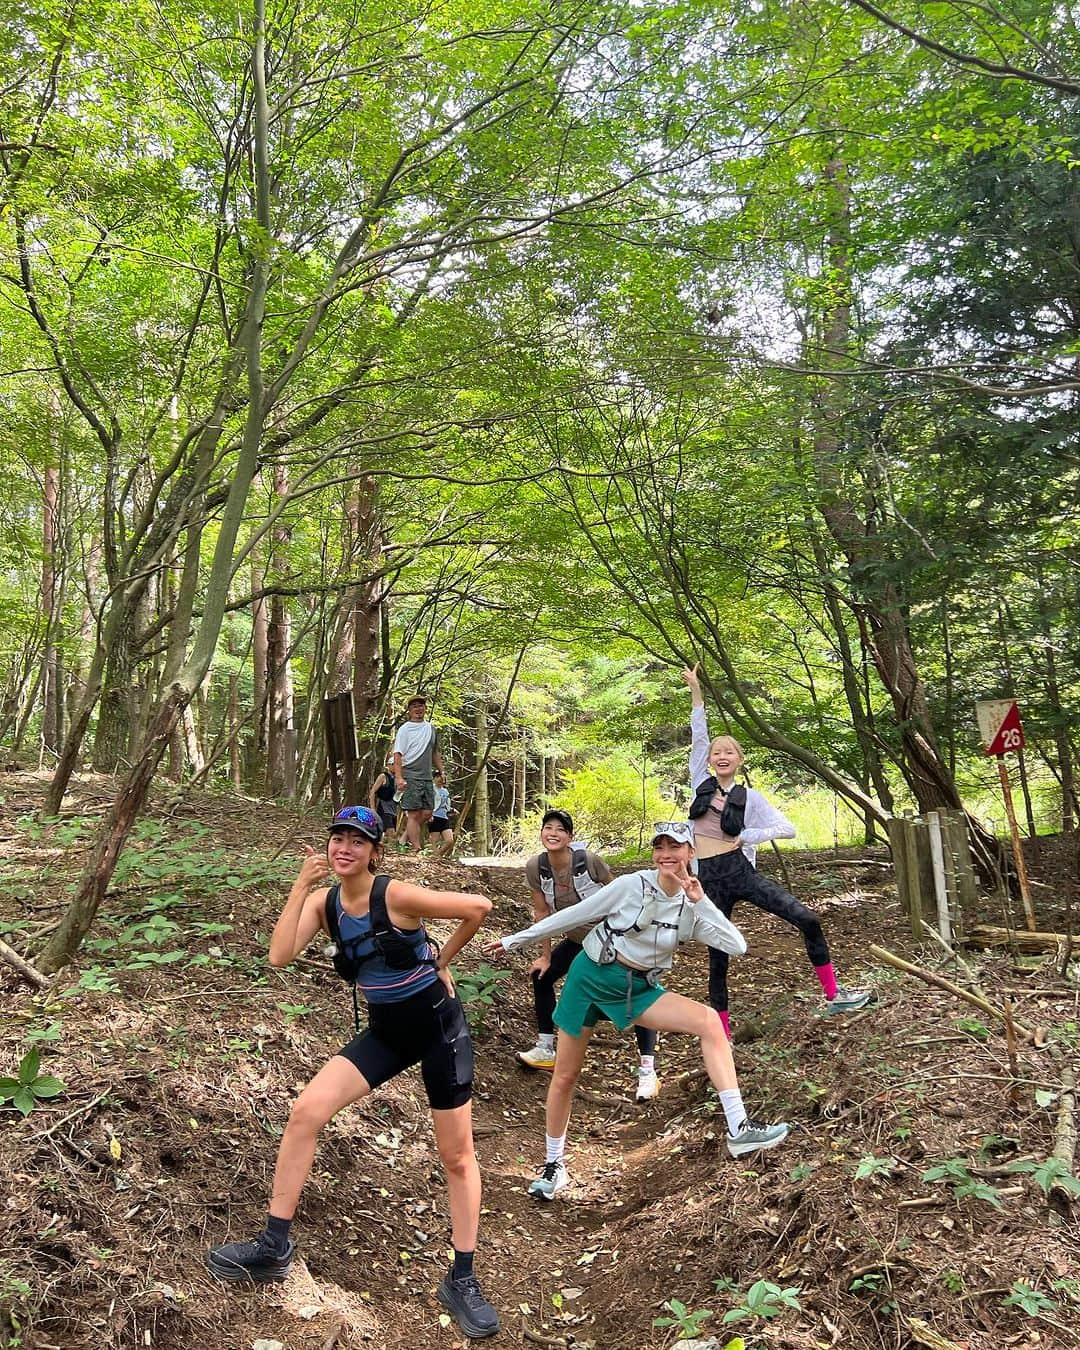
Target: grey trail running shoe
column 553, row 1177
column 258, row 1262
column 467, row 1305
column 847, row 1000
column 752, row 1135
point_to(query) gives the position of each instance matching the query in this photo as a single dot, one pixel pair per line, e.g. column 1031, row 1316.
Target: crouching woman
column 639, row 919
column 415, row 1018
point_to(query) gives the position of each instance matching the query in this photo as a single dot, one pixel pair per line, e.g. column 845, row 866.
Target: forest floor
column 180, row 1052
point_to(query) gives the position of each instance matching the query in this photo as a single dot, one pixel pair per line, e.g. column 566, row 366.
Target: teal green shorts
column 590, row 992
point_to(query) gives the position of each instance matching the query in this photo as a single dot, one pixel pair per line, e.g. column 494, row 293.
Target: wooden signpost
column 340, row 726
column 1002, row 733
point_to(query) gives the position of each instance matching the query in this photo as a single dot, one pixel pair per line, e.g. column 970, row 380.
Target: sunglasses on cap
column 678, row 830
column 359, row 818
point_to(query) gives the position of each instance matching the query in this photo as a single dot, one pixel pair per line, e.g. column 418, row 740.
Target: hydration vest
column 733, row 815
column 396, row 951
column 606, row 934
column 584, row 884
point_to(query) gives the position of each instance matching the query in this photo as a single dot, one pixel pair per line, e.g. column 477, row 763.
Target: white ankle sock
column 546, row 1039
column 556, row 1147
column 647, row 1064
column 734, row 1111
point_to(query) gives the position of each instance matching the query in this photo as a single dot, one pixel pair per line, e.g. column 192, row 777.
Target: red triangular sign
column 1010, row 735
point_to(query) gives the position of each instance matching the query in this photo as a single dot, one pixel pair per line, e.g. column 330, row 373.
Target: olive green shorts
column 419, row 794
column 591, row 991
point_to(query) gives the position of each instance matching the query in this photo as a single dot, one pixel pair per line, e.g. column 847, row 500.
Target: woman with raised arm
column 415, row 1017
column 638, row 921
column 729, row 822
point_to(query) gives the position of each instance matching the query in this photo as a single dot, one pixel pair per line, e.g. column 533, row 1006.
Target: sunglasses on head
column 678, row 830
column 357, row 815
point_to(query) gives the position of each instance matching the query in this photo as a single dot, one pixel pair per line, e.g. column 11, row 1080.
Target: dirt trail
column 179, row 1078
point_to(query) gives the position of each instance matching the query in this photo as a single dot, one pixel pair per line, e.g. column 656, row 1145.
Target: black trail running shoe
column 258, row 1262
column 467, row 1306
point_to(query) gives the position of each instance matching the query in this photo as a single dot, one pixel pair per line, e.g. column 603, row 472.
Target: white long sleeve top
column 762, row 821
column 662, row 922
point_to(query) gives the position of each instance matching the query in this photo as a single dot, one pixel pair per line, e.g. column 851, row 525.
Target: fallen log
column 1059, row 1197
column 987, row 935
column 940, row 982
column 30, row 973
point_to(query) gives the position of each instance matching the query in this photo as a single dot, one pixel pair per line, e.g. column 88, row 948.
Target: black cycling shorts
column 428, row 1029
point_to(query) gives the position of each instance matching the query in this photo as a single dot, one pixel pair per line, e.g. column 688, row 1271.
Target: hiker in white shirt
column 416, row 757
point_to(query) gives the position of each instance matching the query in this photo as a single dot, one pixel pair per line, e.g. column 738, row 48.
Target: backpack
column 581, row 878
column 645, row 919
column 732, row 817
column 396, row 951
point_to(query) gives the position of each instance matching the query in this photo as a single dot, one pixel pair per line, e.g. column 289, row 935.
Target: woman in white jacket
column 729, row 822
column 639, row 921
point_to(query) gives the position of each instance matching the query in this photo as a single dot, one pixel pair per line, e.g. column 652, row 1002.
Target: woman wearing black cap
column 560, row 876
column 637, row 923
column 414, row 1018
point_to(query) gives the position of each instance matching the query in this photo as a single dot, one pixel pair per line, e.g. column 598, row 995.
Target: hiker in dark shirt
column 415, row 1018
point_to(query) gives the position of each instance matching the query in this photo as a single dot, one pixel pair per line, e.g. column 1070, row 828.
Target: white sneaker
column 537, row 1057
column 553, row 1177
column 752, row 1135
column 648, row 1085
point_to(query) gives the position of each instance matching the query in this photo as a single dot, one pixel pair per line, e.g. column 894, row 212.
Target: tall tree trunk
column 366, row 604
column 116, row 706
column 81, row 912
column 1058, row 714
column 259, row 662
column 481, row 796
column 881, row 606
column 52, row 699
column 281, row 724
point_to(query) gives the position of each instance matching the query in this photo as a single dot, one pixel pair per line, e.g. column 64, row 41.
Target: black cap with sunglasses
column 359, row 818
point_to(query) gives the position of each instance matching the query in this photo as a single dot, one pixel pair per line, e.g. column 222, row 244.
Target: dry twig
column 940, row 982
column 30, row 973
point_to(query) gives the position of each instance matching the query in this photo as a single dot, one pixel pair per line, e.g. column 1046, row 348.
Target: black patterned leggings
column 729, row 877
column 544, row 995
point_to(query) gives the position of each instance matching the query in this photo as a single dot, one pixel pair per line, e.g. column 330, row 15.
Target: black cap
column 565, row 819
column 359, row 818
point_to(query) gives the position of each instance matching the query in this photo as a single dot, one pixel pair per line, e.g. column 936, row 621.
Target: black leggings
column 544, row 995
column 729, row 877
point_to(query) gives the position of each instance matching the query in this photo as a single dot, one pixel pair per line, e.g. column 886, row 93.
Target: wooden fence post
column 941, row 879
column 967, row 891
column 896, row 828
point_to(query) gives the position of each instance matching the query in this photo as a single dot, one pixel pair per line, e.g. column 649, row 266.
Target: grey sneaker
column 752, row 1135
column 467, row 1305
column 847, row 1000
column 258, row 1262
column 553, row 1177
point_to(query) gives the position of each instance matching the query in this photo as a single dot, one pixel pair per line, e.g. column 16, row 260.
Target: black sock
column 462, row 1265
column 277, row 1230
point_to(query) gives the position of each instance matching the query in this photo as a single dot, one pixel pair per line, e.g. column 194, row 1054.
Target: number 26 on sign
column 1001, row 732
column 999, row 725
